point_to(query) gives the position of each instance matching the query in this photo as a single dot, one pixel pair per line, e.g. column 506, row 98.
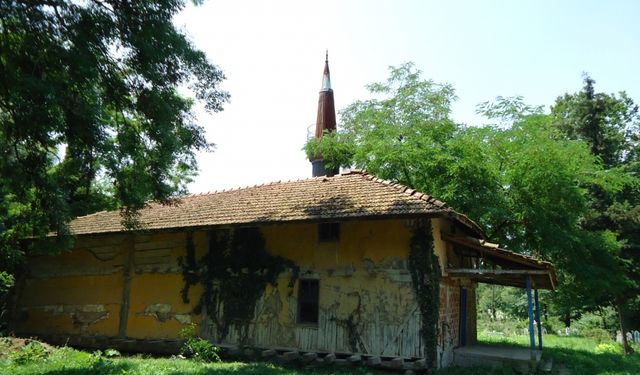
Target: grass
column 571, row 355
column 578, row 355
column 75, row 362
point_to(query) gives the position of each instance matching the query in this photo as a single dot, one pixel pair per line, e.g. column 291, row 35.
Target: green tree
column 610, row 125
column 90, row 114
column 522, row 179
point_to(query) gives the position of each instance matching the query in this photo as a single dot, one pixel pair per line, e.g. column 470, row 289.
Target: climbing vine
column 189, row 268
column 425, row 274
column 235, row 272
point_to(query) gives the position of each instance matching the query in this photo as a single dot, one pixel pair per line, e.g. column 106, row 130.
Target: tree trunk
column 602, row 316
column 620, row 306
column 493, row 303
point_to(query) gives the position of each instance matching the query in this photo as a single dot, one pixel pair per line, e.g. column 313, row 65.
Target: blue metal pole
column 532, row 338
column 538, row 320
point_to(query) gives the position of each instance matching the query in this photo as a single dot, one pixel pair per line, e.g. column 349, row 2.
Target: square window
column 308, row 301
column 329, row 232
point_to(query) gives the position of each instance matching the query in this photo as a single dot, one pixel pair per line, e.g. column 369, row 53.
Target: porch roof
column 503, row 267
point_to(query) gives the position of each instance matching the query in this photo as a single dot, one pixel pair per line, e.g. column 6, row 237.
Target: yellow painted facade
column 366, row 300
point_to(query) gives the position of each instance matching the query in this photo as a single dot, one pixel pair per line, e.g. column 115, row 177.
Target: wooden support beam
column 475, row 271
column 492, row 252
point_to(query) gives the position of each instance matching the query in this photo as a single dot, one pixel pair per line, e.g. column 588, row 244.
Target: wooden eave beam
column 475, row 271
column 505, row 277
column 493, row 252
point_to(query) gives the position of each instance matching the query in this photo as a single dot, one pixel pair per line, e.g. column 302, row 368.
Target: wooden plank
column 494, row 252
column 474, row 271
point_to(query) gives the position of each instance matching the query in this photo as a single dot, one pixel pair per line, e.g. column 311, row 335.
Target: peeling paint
column 183, row 318
column 364, row 275
column 160, row 311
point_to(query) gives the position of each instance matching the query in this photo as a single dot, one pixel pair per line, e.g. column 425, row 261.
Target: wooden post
column 532, row 338
column 127, row 275
column 538, row 320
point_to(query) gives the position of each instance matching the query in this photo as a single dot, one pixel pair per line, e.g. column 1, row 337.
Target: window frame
column 329, row 232
column 310, row 300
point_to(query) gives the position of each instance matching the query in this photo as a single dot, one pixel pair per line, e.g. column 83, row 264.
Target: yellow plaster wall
column 364, row 283
column 76, row 292
column 361, row 242
column 363, row 271
column 156, row 308
column 364, row 280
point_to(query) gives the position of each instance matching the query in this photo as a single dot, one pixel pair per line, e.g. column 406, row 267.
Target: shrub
column 32, row 352
column 597, row 334
column 110, row 353
column 609, row 348
column 196, row 347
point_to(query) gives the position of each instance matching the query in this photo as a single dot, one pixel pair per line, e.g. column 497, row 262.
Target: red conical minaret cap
column 326, row 109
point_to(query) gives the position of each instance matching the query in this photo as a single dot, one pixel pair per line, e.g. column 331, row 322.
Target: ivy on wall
column 425, row 274
column 235, row 272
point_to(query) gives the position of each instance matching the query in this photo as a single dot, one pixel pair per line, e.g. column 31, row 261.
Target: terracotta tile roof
column 355, row 194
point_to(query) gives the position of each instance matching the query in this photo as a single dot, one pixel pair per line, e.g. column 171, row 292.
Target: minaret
column 326, row 120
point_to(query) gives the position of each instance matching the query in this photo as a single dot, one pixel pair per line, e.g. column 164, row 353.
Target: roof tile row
column 350, row 195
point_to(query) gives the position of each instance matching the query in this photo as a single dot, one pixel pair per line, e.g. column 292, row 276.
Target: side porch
column 484, row 262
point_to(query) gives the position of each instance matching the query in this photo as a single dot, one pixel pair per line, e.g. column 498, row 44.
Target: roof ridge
column 407, row 190
column 94, row 213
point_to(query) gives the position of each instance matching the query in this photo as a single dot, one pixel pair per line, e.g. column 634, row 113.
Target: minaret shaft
column 326, row 120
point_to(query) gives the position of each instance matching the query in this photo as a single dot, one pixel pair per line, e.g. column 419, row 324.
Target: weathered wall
column 367, row 302
column 449, row 322
column 129, row 286
column 156, row 308
column 109, row 285
column 366, row 299
column 78, row 292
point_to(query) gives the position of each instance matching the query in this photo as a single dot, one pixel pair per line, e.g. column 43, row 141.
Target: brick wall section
column 449, row 321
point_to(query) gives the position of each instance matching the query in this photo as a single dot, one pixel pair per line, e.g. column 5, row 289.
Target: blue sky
column 273, row 55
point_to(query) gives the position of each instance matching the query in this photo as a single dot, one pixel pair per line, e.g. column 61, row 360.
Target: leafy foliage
column 425, row 274
column 610, row 125
column 236, row 261
column 90, row 114
column 196, row 347
column 32, row 352
column 535, row 181
column 336, row 152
